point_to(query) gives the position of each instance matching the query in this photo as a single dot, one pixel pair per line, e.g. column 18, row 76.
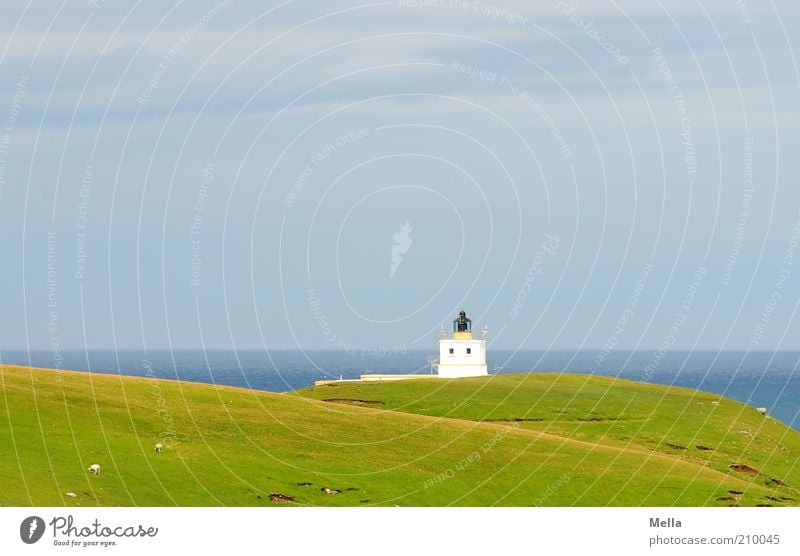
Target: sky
column 603, row 175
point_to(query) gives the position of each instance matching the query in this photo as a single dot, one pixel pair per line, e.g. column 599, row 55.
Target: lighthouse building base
column 462, row 356
column 462, row 371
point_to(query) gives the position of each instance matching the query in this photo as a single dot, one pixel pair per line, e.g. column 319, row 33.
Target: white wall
column 461, row 364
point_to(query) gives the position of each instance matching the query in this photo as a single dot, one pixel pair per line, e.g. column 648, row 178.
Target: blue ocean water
column 761, row 379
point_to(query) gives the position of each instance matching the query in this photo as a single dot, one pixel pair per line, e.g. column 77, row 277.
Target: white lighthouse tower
column 462, row 355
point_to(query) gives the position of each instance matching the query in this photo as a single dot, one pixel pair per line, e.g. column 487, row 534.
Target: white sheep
column 762, row 410
column 94, row 469
column 159, row 448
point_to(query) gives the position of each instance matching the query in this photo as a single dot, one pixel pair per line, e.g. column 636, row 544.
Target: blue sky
column 234, row 174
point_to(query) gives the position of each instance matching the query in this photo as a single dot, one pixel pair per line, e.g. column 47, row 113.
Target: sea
column 758, row 378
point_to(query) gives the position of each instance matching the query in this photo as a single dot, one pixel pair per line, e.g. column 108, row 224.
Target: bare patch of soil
column 277, row 498
column 742, row 468
column 348, row 401
column 595, row 419
column 514, row 420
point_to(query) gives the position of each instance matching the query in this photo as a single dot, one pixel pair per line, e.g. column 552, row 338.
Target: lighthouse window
column 469, row 351
column 451, row 351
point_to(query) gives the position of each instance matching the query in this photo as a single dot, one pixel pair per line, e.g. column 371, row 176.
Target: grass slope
column 705, row 429
column 439, row 443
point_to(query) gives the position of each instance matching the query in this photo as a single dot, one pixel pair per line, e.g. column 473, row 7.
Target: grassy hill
column 503, row 440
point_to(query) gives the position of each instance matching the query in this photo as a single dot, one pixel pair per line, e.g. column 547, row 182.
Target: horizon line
column 367, row 350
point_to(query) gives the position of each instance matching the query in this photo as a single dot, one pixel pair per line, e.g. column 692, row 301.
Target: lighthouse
column 462, row 355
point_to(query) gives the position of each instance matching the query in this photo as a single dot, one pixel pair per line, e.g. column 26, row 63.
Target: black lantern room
column 462, row 323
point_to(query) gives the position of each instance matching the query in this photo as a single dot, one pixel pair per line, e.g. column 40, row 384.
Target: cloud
column 253, row 82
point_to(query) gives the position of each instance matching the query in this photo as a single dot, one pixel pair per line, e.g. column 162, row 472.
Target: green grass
column 504, row 440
